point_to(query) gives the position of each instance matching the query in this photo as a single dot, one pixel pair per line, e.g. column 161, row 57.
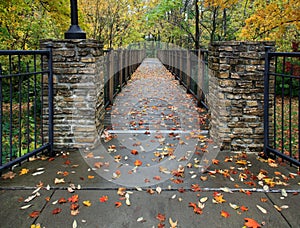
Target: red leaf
column 73, row 199
column 56, row 211
column 251, row 223
column 103, row 199
column 34, row 214
column 181, row 190
column 157, row 178
column 161, row 217
column 67, row 162
column 161, row 225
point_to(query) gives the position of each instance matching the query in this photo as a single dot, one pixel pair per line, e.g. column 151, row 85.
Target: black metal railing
column 282, row 106
column 26, row 106
column 120, row 65
column 190, row 67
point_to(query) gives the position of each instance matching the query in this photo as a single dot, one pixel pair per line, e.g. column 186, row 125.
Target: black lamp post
column 74, row 31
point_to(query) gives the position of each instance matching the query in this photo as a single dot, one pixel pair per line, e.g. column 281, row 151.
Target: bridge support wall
column 78, row 92
column 236, row 94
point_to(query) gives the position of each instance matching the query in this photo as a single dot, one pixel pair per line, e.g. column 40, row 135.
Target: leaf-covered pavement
column 72, row 190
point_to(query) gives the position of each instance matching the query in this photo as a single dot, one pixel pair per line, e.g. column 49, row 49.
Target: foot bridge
column 148, row 109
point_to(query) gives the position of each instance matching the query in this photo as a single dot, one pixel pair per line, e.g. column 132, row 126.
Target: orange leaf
column 103, row 199
column 225, row 214
column 243, row 208
column 241, row 162
column 219, row 198
column 67, row 162
column 62, row 200
column 195, row 188
column 134, row 152
column 263, row 199
column 56, row 211
column 138, row 163
column 118, row 204
column 215, row 161
column 73, row 199
column 74, row 206
column 251, row 223
column 161, row 217
column 91, row 177
column 34, row 214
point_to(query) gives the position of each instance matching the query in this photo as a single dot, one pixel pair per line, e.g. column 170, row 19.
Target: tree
column 274, row 20
column 24, row 23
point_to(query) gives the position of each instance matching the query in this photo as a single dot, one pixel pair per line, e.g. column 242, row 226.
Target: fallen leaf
column 87, row 203
column 34, row 214
column 157, row 178
column 241, row 162
column 74, row 225
column 25, row 207
column 134, row 152
column 74, row 212
column 91, row 177
column 138, row 163
column 62, row 200
column 234, row 206
column 172, row 223
column 73, row 199
column 118, row 204
column 23, row 171
column 161, row 217
column 8, row 175
column 158, row 190
column 243, row 208
column 37, row 173
column 251, row 223
column 219, row 198
column 56, row 211
column 103, row 199
column 59, row 181
column 74, row 206
column 225, row 214
column 121, row 191
column 261, row 209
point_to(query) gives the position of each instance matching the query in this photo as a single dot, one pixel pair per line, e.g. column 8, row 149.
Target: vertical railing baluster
column 10, row 109
column 20, row 108
column 1, row 120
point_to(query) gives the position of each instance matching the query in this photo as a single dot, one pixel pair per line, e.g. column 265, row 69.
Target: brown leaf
column 56, row 211
column 8, row 175
column 34, row 214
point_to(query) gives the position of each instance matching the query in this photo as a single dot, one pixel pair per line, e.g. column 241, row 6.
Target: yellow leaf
column 24, row 171
column 87, row 203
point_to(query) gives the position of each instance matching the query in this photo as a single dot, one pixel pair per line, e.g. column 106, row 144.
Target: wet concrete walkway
column 147, row 169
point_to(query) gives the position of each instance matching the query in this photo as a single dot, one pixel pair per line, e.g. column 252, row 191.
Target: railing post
column 266, row 100
column 111, row 77
column 50, row 102
column 121, row 69
column 181, row 65
column 200, row 77
column 188, row 71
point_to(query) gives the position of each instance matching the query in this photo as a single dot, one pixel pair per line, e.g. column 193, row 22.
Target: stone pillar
column 236, row 94
column 78, row 92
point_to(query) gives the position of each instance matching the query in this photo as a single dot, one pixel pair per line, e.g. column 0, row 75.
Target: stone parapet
column 236, row 94
column 78, row 81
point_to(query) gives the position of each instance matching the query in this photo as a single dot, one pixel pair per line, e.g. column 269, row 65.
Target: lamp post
column 74, row 31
